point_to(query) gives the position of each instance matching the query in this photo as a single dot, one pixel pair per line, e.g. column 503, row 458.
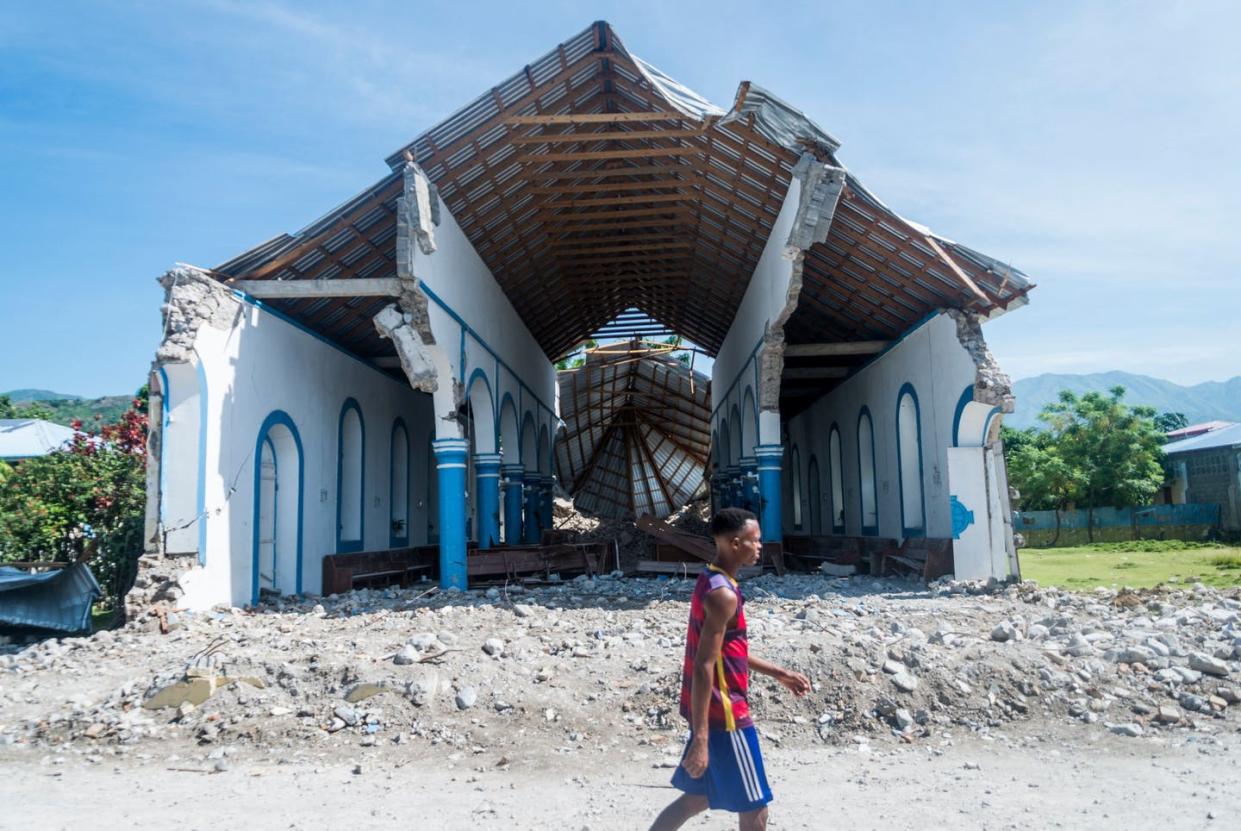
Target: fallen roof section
column 637, row 431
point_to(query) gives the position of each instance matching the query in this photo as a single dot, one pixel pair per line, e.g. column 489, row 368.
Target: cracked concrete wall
column 418, row 212
column 192, row 299
column 991, row 384
column 465, row 320
column 232, row 368
column 819, row 193
column 772, row 296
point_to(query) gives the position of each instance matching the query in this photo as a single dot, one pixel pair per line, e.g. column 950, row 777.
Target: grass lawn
column 1140, row 564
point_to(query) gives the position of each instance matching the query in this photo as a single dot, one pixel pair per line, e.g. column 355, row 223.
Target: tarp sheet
column 56, row 600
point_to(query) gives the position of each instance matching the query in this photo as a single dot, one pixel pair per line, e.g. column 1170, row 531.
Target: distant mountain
column 22, row 396
column 1201, row 402
column 65, row 409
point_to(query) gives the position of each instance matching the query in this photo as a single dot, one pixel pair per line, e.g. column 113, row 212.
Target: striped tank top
column 731, row 679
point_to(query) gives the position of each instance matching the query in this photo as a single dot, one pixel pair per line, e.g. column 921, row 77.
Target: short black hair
column 728, row 521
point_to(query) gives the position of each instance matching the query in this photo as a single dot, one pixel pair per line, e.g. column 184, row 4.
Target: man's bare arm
column 719, row 607
column 796, row 683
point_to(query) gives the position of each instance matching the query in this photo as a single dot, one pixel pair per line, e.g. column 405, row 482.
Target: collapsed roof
column 593, row 185
column 637, row 431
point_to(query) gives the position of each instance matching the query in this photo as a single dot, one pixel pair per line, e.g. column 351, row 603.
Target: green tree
column 1115, row 451
column 1167, row 422
column 1044, row 479
column 31, row 409
column 87, row 499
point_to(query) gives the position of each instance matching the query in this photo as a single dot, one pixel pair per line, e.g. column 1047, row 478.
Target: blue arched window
column 866, row 473
column 279, row 483
column 398, row 488
column 909, row 462
column 795, row 470
column 350, row 477
column 837, row 480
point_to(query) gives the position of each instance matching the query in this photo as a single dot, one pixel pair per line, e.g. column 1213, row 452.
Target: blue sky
column 1092, row 145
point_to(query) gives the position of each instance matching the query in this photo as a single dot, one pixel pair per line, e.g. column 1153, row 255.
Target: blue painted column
column 770, row 513
column 749, row 483
column 513, row 480
column 533, row 479
column 546, row 494
column 487, row 475
column 450, row 467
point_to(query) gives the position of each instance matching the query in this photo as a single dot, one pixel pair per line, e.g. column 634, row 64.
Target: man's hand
column 795, row 682
column 695, row 761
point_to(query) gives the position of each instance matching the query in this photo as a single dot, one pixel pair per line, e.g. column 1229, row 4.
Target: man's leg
column 687, row 806
column 753, row 820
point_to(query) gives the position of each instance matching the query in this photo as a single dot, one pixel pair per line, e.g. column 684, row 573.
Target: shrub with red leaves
column 88, row 496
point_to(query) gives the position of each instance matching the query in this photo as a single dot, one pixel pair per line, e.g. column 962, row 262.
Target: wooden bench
column 807, row 552
column 926, row 557
column 345, row 572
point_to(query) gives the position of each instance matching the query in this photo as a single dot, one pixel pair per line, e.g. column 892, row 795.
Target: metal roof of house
column 1197, row 429
column 23, row 438
column 591, row 183
column 1224, row 437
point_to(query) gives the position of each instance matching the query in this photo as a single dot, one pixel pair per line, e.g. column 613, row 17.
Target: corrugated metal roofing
column 23, row 438
column 1224, row 437
column 874, row 278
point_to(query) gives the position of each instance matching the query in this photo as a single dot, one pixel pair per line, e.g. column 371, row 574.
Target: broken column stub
column 415, row 355
column 991, row 384
column 191, row 298
column 418, row 212
column 820, row 188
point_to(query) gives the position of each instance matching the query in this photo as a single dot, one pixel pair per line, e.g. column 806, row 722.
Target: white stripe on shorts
column 740, row 750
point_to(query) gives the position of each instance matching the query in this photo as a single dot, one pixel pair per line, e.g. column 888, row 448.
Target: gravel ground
column 1001, row 706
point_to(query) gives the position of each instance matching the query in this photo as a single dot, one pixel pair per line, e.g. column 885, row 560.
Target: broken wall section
column 235, row 373
column 752, row 355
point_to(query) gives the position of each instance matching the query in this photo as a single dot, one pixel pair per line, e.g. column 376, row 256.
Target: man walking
column 722, row 767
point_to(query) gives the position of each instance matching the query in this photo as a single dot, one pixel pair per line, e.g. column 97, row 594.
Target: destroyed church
column 379, row 390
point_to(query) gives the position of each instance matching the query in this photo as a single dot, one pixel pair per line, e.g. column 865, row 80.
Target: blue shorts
column 734, row 779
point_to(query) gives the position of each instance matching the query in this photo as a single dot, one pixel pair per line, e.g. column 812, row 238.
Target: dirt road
column 1071, row 781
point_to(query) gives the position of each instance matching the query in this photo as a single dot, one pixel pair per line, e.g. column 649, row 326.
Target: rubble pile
column 632, row 545
column 594, row 664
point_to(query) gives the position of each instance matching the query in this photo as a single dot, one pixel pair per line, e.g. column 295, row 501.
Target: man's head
column 738, row 539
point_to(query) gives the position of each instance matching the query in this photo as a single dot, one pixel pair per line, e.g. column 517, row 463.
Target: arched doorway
column 909, row 460
column 278, row 491
column 350, row 473
column 398, row 534
column 866, row 473
column 815, row 493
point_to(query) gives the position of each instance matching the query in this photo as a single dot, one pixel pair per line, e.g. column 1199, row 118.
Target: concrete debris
column 600, row 656
column 192, row 299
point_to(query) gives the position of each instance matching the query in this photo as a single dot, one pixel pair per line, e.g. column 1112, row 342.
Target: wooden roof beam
column 597, row 118
column 814, row 372
column 620, row 135
column 615, row 153
column 825, row 350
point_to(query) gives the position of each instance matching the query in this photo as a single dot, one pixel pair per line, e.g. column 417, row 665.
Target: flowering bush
column 88, row 497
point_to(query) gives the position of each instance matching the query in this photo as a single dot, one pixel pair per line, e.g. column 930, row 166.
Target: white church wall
column 932, row 361
column 735, row 369
column 260, row 365
column 479, row 330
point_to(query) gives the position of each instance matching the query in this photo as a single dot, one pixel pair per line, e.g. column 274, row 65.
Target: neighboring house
column 1208, row 470
column 1197, row 430
column 25, row 438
